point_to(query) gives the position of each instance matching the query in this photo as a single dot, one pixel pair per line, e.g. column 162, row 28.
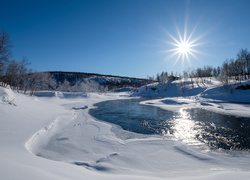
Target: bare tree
column 23, row 74
column 35, row 82
column 243, row 56
column 23, row 65
column 215, row 72
column 239, row 67
column 12, row 73
column 5, row 51
column 191, row 74
column 248, row 64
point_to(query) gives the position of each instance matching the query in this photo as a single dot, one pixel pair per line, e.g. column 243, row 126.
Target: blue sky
column 123, row 37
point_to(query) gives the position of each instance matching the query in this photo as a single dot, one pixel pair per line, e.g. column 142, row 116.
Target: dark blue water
column 193, row 126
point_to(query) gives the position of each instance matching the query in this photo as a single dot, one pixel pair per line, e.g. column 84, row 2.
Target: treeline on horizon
column 232, row 69
column 19, row 77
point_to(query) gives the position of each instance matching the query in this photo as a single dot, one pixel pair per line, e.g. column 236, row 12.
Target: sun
column 184, row 46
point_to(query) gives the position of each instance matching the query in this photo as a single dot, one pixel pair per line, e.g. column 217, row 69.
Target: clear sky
column 123, row 37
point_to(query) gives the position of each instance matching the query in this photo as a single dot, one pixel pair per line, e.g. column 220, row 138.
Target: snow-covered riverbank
column 52, row 136
column 211, row 96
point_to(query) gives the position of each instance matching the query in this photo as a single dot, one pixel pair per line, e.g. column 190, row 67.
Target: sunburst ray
column 184, row 45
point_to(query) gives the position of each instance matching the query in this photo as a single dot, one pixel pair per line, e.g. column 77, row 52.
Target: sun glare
column 183, row 46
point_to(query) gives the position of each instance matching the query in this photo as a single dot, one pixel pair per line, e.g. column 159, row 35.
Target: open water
column 193, row 126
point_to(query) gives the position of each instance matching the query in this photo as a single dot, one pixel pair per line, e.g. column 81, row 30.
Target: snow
column 211, row 96
column 7, row 95
column 52, row 136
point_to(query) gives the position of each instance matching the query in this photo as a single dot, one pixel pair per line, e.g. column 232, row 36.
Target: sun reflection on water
column 185, row 129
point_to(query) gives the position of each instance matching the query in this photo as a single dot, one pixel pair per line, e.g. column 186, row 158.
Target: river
column 192, row 126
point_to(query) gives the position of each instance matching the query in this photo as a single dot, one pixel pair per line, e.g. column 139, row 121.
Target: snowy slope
column 184, row 88
column 52, row 136
column 211, row 96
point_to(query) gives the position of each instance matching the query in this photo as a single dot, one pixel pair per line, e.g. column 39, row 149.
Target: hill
column 113, row 82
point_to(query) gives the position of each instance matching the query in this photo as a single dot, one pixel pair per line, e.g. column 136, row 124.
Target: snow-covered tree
column 65, row 86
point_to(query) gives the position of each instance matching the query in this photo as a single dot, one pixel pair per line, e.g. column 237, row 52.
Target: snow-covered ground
column 211, row 96
column 52, row 136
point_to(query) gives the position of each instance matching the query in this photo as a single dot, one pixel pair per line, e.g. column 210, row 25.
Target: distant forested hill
column 111, row 81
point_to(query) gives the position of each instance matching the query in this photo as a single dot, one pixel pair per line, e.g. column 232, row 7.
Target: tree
column 231, row 68
column 35, row 82
column 191, row 75
column 12, row 73
column 248, row 64
column 65, row 86
column 23, row 65
column 215, row 72
column 239, row 68
column 158, row 78
column 218, row 71
column 5, row 51
column 50, row 81
column 243, row 56
column 23, row 74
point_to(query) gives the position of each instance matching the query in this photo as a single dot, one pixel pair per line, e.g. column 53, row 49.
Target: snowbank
column 213, row 90
column 7, row 95
column 211, row 96
column 171, row 89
